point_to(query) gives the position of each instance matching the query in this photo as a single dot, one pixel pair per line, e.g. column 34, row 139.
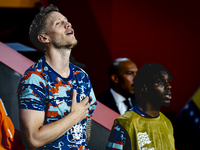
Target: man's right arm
column 118, row 139
column 35, row 134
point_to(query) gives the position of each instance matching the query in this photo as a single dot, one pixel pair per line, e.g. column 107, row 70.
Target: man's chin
column 166, row 103
column 73, row 44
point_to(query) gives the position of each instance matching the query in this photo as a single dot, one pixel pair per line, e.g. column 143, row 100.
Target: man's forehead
column 128, row 65
column 55, row 16
column 161, row 75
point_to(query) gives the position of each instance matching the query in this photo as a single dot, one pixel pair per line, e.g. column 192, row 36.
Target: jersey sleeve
column 118, row 139
column 92, row 100
column 31, row 93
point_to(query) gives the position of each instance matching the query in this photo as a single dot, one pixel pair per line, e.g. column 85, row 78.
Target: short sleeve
column 31, row 93
column 118, row 139
column 92, row 100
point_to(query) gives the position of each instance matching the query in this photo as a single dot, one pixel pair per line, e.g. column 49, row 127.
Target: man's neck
column 120, row 92
column 58, row 59
column 149, row 109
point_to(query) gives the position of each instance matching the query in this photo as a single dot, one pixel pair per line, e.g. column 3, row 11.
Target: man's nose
column 168, row 86
column 67, row 24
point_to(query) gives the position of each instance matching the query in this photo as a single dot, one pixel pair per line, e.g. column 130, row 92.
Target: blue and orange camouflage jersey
column 42, row 89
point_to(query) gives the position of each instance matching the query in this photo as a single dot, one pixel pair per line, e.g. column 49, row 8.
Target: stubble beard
column 64, row 45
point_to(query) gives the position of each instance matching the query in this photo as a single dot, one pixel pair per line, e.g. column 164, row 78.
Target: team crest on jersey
column 75, row 135
column 143, row 139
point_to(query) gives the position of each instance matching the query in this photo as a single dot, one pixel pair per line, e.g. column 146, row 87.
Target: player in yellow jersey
column 144, row 127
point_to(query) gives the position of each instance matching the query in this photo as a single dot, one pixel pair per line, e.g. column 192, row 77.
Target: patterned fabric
column 140, row 112
column 135, row 132
column 42, row 89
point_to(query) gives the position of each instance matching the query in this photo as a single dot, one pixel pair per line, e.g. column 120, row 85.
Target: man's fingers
column 86, row 100
column 74, row 94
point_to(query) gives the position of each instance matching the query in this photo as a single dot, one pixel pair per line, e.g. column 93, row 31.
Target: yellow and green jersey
column 134, row 131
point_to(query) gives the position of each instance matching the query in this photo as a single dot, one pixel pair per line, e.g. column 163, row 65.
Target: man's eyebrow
column 65, row 18
column 61, row 18
column 159, row 77
column 129, row 71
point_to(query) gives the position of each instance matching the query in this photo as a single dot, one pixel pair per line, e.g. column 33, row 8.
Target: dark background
column 166, row 32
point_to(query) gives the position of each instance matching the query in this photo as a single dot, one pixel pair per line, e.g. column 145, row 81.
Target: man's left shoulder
column 77, row 70
column 165, row 119
column 127, row 117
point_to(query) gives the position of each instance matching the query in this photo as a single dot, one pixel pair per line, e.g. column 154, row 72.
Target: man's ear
column 43, row 38
column 114, row 78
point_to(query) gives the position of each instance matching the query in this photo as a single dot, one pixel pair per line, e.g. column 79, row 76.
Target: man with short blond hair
column 56, row 98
